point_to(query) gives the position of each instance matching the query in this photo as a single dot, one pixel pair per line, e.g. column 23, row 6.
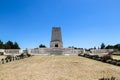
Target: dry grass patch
column 116, row 57
column 1, row 57
column 57, row 68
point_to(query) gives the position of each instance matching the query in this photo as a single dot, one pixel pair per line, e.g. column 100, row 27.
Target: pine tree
column 102, row 46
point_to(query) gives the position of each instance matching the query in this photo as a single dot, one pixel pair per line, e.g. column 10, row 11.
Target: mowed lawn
column 57, row 68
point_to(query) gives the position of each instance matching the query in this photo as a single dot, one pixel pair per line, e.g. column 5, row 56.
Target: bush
column 112, row 78
column 109, row 61
column 114, row 62
column 24, row 55
column 118, row 60
column 94, row 56
column 6, row 59
column 21, row 56
column 118, row 63
column 28, row 55
column 79, row 54
column 2, row 61
column 103, row 60
column 84, row 55
column 1, row 53
column 99, row 59
column 106, row 57
column 9, row 57
column 88, row 56
column 115, row 59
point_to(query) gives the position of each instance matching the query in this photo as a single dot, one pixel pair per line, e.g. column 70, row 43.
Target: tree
column 102, row 46
column 16, row 46
column 1, row 44
column 94, row 47
column 9, row 45
column 42, row 46
column 109, row 47
column 117, row 46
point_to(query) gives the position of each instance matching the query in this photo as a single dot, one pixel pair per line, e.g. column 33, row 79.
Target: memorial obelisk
column 56, row 38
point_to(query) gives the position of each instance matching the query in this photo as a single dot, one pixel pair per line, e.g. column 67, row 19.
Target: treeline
column 117, row 46
column 9, row 45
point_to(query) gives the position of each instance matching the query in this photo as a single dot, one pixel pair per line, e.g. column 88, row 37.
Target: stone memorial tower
column 56, row 38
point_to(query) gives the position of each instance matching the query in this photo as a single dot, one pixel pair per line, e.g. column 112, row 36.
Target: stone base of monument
column 56, row 51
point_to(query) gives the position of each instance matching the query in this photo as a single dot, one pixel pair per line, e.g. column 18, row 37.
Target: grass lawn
column 57, row 68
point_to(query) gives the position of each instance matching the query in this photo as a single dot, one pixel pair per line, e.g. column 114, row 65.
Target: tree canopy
column 117, row 46
column 102, row 46
column 9, row 45
column 42, row 46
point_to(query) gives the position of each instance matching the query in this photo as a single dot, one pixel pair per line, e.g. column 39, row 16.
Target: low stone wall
column 13, row 51
column 71, row 51
column 55, row 51
column 44, row 51
column 102, row 51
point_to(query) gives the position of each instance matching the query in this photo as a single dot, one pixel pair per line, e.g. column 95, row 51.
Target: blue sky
column 84, row 23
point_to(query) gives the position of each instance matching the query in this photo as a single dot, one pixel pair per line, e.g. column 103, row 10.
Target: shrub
column 2, row 61
column 96, row 56
column 118, row 63
column 79, row 54
column 109, row 61
column 6, row 59
column 28, row 55
column 114, row 62
column 84, row 55
column 99, row 59
column 112, row 78
column 1, row 53
column 118, row 60
column 103, row 60
column 93, row 58
column 88, row 56
column 9, row 56
column 106, row 57
column 21, row 56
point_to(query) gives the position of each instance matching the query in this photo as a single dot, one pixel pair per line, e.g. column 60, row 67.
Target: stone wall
column 12, row 51
column 102, row 50
column 55, row 51
column 44, row 51
column 39, row 51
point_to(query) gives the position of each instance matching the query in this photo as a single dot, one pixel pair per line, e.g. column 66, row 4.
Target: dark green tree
column 42, row 46
column 94, row 47
column 1, row 44
column 102, row 46
column 109, row 47
column 117, row 46
column 16, row 46
column 9, row 45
